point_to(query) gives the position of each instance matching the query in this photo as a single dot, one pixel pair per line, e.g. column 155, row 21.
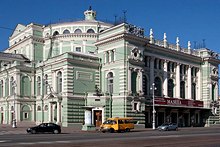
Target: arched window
column 90, row 31
column 194, row 91
column 1, row 88
column 45, row 107
column 66, row 32
column 110, row 83
column 12, row 86
column 77, row 31
column 158, row 87
column 59, row 82
column 182, row 89
column 55, row 33
column 38, row 85
column 170, row 88
column 46, row 84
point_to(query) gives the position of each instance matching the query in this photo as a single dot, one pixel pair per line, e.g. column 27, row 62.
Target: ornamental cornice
column 126, row 36
column 154, row 49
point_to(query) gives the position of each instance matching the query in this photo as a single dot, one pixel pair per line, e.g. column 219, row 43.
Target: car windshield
column 109, row 122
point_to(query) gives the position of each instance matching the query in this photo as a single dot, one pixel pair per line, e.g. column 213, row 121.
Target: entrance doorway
column 97, row 118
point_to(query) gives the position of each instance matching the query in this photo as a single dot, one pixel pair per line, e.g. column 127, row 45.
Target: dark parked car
column 45, row 128
column 168, row 126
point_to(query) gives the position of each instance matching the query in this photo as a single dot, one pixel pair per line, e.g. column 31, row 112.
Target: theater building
column 89, row 70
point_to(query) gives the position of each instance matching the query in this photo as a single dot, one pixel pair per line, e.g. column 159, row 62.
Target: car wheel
column 55, row 131
column 33, row 131
column 127, row 130
column 166, row 129
column 111, row 130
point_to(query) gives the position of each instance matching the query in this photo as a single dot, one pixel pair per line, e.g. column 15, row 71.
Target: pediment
column 18, row 29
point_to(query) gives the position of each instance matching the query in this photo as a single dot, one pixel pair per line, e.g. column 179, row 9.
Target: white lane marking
column 44, row 142
column 3, row 141
column 63, row 141
column 26, row 143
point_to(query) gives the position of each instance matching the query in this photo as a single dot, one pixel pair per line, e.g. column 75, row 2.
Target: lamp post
column 14, row 116
column 154, row 111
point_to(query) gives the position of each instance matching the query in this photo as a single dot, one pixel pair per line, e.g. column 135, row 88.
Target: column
column 18, row 80
column 84, row 46
column 178, row 80
column 104, row 61
column 58, row 112
column 110, row 56
column 18, row 110
column 165, row 84
column 114, row 55
column 151, row 72
column 50, row 112
column 189, row 80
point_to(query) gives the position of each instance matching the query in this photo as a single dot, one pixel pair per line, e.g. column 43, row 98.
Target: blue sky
column 190, row 20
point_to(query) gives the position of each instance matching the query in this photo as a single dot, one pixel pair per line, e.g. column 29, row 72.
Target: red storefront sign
column 178, row 102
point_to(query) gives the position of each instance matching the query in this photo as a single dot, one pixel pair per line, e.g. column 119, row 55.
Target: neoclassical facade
column 51, row 73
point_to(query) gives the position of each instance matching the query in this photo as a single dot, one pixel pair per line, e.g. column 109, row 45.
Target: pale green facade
column 109, row 68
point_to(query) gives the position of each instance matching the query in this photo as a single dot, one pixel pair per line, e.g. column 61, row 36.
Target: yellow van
column 117, row 124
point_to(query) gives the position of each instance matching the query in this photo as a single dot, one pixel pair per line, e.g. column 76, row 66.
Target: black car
column 45, row 128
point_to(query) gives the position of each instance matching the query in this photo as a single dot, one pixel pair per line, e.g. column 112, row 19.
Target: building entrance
column 97, row 118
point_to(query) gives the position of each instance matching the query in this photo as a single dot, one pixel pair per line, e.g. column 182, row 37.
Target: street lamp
column 14, row 119
column 154, row 111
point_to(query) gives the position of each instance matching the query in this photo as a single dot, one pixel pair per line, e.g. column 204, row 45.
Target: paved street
column 139, row 137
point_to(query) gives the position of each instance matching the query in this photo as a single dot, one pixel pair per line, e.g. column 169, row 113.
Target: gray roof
column 11, row 56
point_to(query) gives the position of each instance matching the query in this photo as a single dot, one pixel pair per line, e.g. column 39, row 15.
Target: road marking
column 63, row 141
column 44, row 142
column 3, row 141
column 26, row 143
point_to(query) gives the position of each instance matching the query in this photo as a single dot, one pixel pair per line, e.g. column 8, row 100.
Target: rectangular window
column 112, row 55
column 78, row 49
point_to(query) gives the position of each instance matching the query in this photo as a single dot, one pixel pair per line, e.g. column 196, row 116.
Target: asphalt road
column 203, row 137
